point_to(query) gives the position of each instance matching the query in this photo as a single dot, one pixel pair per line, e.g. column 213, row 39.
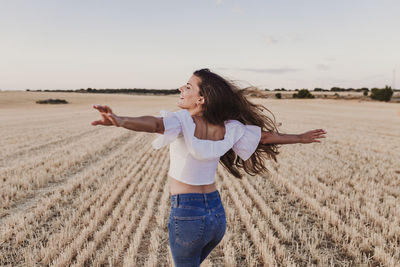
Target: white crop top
column 194, row 161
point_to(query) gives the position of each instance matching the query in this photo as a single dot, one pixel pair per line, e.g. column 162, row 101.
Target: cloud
column 234, row 9
column 295, row 37
column 330, row 59
column 271, row 40
column 237, row 9
column 265, row 70
column 282, row 38
column 323, row 67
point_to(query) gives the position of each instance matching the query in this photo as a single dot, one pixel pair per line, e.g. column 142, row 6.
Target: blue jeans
column 196, row 225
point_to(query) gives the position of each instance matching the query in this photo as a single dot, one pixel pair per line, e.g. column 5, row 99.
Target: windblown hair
column 224, row 100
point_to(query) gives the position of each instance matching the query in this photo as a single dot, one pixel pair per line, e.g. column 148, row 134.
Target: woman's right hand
column 109, row 118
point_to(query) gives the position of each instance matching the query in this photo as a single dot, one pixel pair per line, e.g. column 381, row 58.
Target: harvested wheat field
column 73, row 194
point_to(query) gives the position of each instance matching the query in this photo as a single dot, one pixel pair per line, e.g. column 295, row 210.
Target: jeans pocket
column 189, row 230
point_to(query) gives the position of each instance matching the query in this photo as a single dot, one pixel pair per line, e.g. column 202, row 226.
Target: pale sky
column 158, row 44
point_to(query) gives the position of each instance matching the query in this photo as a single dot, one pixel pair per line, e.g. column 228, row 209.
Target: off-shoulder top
column 194, row 161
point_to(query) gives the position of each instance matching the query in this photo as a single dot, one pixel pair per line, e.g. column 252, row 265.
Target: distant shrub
column 278, row 95
column 365, row 93
column 384, row 94
column 52, row 101
column 336, row 94
column 303, row 93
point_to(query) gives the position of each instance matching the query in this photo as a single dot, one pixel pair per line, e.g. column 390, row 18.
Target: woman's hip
column 197, row 202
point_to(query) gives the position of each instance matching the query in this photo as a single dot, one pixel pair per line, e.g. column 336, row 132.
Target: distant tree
column 384, row 94
column 266, row 89
column 303, row 93
column 318, row 89
column 278, row 95
column 362, row 89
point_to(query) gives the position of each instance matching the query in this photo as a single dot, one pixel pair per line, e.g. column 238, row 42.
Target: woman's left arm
column 304, row 138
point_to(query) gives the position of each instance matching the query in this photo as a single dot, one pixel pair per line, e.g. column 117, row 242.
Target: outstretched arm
column 149, row 124
column 304, row 138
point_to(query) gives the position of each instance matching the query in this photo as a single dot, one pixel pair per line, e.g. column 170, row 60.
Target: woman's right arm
column 149, row 124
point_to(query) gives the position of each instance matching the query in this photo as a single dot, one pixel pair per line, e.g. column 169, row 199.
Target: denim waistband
column 195, row 197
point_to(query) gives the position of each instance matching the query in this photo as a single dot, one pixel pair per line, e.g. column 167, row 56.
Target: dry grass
column 75, row 194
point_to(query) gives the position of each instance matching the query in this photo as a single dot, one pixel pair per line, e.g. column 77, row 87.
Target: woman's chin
column 180, row 104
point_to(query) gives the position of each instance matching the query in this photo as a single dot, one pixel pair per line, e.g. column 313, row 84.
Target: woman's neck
column 195, row 111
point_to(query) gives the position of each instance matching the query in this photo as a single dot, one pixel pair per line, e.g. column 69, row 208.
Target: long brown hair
column 224, row 100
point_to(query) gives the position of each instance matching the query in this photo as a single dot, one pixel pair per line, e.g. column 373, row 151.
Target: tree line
column 383, row 94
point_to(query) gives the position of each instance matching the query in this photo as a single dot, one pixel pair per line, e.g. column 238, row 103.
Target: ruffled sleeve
column 172, row 129
column 249, row 141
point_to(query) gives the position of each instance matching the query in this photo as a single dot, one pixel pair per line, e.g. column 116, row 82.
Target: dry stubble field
column 82, row 195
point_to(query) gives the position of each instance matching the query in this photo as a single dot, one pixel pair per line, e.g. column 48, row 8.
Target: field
column 82, row 195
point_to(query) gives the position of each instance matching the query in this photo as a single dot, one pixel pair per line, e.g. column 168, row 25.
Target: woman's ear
column 201, row 100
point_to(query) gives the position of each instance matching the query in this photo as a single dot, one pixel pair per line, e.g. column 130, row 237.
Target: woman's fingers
column 100, row 108
column 104, row 109
column 96, row 122
column 109, row 118
column 108, row 109
column 313, row 135
column 319, row 131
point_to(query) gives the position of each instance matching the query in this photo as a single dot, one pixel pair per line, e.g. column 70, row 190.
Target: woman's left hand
column 311, row 136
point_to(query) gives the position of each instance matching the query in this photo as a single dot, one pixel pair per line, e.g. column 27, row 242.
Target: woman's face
column 190, row 94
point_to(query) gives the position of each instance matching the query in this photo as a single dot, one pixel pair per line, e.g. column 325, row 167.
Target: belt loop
column 177, row 201
column 205, row 200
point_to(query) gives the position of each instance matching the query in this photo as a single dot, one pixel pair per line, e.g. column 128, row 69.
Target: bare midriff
column 177, row 187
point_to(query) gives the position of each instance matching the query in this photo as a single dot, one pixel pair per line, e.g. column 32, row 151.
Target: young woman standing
column 215, row 123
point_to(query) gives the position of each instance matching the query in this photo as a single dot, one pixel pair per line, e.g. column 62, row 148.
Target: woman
column 216, row 123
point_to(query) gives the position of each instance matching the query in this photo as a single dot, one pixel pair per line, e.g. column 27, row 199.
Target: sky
column 159, row 44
